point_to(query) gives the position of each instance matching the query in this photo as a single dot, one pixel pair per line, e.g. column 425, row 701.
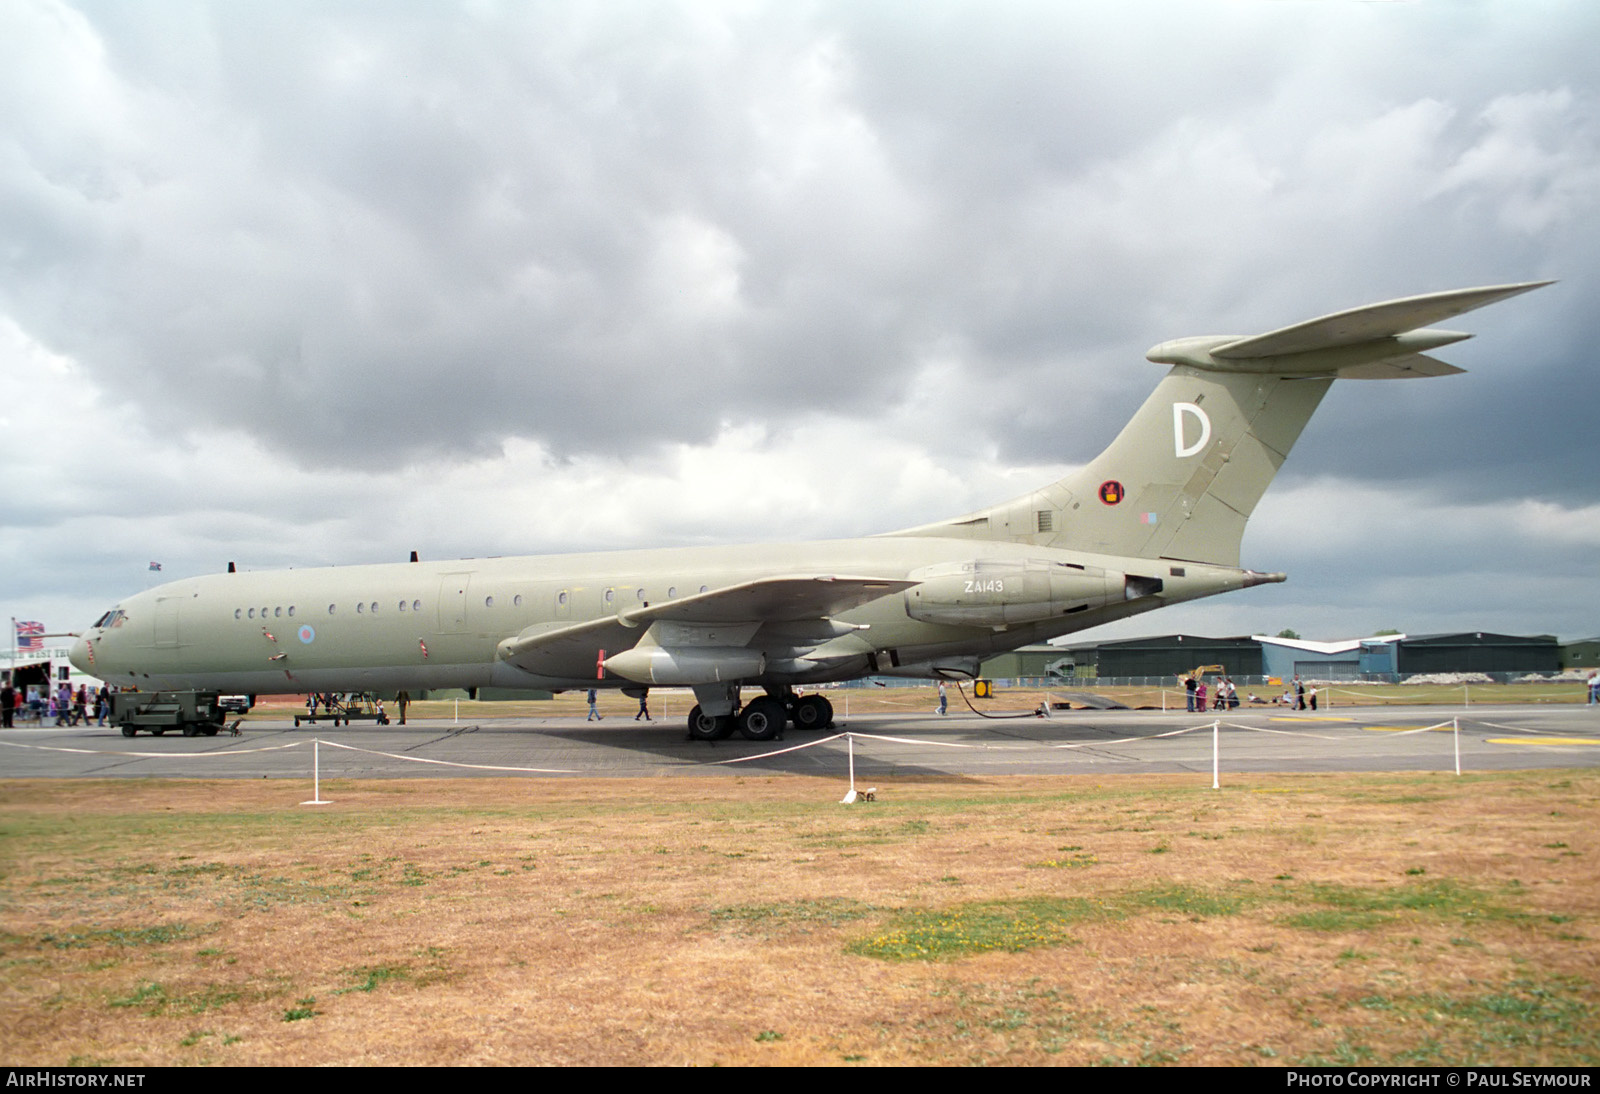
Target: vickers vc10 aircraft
column 1156, row 519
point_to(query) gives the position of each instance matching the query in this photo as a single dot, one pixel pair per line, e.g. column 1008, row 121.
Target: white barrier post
column 850, row 796
column 1216, row 749
column 1455, row 733
column 316, row 774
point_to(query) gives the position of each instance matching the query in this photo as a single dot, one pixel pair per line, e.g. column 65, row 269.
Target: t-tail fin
column 1186, row 472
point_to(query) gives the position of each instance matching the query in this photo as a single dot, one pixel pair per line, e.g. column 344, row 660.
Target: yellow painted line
column 1311, row 718
column 1544, row 740
column 1404, row 729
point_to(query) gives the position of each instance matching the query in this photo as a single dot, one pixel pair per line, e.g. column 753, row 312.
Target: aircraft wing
column 741, row 608
column 772, row 600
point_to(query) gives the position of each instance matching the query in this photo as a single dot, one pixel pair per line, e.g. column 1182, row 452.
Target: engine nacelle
column 1001, row 592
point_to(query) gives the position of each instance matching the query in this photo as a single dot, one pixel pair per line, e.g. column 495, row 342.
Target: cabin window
column 610, row 595
column 516, row 601
column 402, row 605
column 705, row 588
column 238, row 613
column 672, row 591
column 277, row 613
column 360, row 607
column 374, row 607
column 291, row 611
column 416, row 605
column 252, row 613
column 331, row 608
column 488, row 602
column 561, row 597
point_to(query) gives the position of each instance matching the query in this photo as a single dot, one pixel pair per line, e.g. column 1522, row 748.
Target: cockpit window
column 113, row 618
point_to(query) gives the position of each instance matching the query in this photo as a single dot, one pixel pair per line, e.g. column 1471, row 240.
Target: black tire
column 190, row 729
column 158, row 732
column 812, row 712
column 210, row 731
column 128, row 731
column 705, row 727
column 762, row 719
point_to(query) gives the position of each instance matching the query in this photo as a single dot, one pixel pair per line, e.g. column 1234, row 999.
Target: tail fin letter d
column 1178, row 411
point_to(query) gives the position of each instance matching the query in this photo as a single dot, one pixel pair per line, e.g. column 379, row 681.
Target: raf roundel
column 1111, row 491
column 308, row 634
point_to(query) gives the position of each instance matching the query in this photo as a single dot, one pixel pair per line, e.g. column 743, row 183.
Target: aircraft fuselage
column 416, row 626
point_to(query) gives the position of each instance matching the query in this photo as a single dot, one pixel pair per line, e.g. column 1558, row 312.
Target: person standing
column 8, row 703
column 1594, row 688
column 1188, row 686
column 944, row 699
column 644, row 706
column 594, row 711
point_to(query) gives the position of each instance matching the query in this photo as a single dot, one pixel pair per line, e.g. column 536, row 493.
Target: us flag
column 30, row 636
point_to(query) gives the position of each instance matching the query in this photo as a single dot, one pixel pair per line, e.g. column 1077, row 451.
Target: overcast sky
column 301, row 284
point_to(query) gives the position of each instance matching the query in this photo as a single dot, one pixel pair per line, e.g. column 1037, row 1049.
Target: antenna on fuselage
column 231, row 568
column 413, row 556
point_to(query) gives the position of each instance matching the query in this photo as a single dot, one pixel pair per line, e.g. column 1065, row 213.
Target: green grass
column 1352, row 908
column 1012, row 927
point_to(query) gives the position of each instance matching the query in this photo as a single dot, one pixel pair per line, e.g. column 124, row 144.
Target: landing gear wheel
column 762, row 719
column 812, row 712
column 706, row 727
column 128, row 731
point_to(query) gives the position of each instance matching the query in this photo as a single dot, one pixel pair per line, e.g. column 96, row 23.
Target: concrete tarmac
column 884, row 745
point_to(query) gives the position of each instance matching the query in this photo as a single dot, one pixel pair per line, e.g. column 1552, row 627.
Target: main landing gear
column 761, row 719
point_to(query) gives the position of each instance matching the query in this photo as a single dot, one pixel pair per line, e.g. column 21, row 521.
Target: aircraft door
column 453, row 602
column 167, row 621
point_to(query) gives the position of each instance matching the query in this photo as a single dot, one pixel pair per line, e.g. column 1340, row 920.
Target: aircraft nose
column 80, row 657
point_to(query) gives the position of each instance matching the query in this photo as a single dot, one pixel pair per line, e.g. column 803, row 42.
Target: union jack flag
column 155, row 567
column 30, row 636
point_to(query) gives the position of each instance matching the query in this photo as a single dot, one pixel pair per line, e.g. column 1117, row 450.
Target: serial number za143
column 987, row 585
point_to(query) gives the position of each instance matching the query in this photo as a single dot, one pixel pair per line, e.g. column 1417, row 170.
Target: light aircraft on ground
column 1156, row 519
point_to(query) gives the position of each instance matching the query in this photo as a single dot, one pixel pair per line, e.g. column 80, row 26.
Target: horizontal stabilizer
column 1371, row 322
column 1400, row 368
column 1347, row 343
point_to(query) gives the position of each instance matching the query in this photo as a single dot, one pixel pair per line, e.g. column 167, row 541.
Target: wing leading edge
column 713, row 629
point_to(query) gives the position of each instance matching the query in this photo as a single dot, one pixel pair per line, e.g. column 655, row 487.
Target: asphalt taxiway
column 881, row 745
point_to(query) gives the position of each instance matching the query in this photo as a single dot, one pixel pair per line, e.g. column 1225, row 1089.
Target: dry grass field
column 1284, row 920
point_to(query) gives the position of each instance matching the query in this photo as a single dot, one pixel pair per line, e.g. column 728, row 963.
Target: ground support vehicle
column 192, row 713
